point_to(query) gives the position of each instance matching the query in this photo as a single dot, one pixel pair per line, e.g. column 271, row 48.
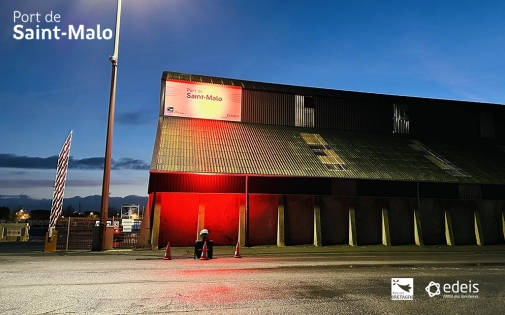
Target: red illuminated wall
column 179, row 217
column 263, row 219
column 222, row 217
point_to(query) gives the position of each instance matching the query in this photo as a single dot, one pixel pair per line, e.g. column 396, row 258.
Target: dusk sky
column 435, row 49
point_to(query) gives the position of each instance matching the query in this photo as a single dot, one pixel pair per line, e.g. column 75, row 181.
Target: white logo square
column 402, row 288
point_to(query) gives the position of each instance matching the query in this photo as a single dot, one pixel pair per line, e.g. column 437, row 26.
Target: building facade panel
column 401, row 220
column 299, row 219
column 222, row 217
column 269, row 108
column 290, row 185
column 446, row 121
column 499, row 123
column 462, row 220
column 190, row 182
column 262, row 228
column 490, row 213
column 353, row 114
column 334, row 220
column 178, row 219
column 368, row 215
column 433, row 222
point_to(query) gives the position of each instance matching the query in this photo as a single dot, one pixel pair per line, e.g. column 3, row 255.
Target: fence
column 77, row 233
column 124, row 239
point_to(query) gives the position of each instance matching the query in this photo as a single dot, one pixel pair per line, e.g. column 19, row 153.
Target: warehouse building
column 272, row 164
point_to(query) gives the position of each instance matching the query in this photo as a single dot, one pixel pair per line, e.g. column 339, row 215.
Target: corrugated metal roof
column 212, row 146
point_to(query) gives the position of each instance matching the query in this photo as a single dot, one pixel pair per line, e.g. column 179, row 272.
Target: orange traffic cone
column 168, row 255
column 204, row 255
column 237, row 251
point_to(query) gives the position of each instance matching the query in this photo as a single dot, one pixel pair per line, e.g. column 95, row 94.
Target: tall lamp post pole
column 104, row 212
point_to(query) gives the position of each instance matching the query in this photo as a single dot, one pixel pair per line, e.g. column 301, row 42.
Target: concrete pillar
column 201, row 219
column 49, row 242
column 280, row 222
column 449, row 236
column 241, row 225
column 478, row 228
column 503, row 222
column 418, row 231
column 155, row 232
column 386, row 238
column 317, row 221
column 145, row 226
column 109, row 238
column 353, row 240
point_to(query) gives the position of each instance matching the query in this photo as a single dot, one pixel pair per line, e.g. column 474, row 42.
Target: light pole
column 104, row 205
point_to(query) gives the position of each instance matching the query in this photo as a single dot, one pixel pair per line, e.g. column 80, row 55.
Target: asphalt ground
column 266, row 280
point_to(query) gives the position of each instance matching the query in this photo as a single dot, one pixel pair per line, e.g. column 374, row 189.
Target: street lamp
column 104, row 205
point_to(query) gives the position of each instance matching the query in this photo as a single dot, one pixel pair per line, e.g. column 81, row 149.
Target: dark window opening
column 319, row 152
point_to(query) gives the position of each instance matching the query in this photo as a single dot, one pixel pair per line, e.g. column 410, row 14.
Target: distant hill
column 88, row 203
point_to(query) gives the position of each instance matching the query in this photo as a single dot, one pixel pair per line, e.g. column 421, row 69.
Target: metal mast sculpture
column 59, row 184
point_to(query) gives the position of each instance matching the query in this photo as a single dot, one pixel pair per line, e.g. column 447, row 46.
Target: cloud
column 41, row 183
column 138, row 117
column 31, row 183
column 93, row 163
column 15, row 161
column 16, row 173
column 131, row 164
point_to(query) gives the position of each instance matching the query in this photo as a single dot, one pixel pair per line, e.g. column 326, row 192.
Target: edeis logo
column 433, row 289
column 457, row 290
column 402, row 288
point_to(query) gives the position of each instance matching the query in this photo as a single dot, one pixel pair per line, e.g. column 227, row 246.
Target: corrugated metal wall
column 383, row 188
column 268, row 103
column 470, row 191
column 343, row 187
column 268, row 108
column 169, row 182
column 492, row 192
column 304, row 113
column 353, row 114
column 443, row 121
column 346, row 114
column 290, row 185
column 499, row 123
column 157, row 140
column 162, row 97
column 487, row 130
